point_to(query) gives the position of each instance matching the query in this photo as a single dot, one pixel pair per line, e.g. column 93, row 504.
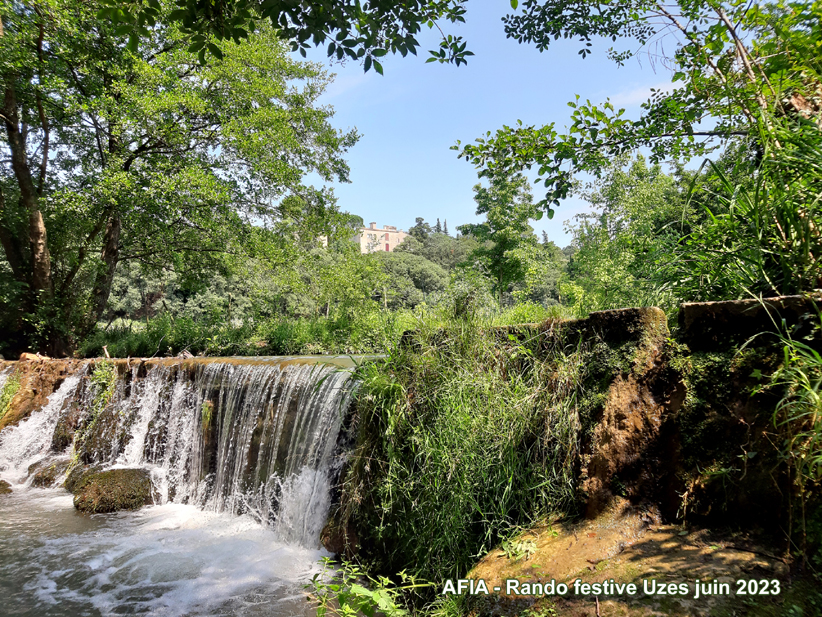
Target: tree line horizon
column 151, row 140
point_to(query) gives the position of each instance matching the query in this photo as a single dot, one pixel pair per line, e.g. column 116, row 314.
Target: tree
column 445, row 226
column 638, row 216
column 441, row 249
column 410, row 278
column 738, row 69
column 114, row 155
column 438, row 227
column 506, row 239
column 420, row 230
column 358, row 30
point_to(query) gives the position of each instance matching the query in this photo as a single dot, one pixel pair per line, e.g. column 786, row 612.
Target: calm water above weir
column 241, row 492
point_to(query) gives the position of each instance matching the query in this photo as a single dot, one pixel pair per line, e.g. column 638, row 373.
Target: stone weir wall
column 686, row 419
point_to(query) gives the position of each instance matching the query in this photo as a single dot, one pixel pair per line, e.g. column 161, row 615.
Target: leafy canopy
column 736, row 67
column 352, row 29
column 149, row 156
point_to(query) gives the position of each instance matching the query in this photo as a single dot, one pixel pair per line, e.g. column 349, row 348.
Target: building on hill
column 373, row 239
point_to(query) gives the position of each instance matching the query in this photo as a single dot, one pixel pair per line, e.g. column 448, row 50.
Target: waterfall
column 30, row 441
column 253, row 437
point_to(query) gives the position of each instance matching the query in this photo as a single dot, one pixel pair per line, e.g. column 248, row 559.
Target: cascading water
column 241, row 455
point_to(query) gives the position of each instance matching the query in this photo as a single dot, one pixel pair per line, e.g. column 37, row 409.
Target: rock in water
column 113, row 490
column 5, row 487
column 47, row 472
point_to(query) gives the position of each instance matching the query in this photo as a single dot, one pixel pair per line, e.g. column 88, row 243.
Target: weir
column 224, row 436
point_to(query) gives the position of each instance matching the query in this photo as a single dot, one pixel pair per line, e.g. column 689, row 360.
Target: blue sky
column 403, row 167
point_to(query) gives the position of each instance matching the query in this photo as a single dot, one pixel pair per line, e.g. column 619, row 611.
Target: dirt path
column 624, row 546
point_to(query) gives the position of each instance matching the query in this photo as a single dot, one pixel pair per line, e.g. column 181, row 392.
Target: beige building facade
column 373, row 239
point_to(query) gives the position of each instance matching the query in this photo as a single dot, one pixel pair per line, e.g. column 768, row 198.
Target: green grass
column 798, row 420
column 10, row 388
column 162, row 336
column 464, row 437
column 365, row 333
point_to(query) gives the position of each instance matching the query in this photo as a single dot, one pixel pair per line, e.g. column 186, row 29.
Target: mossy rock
column 79, row 475
column 47, row 472
column 5, row 488
column 113, row 490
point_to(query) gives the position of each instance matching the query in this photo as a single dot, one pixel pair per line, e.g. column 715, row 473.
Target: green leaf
column 216, row 51
column 378, row 67
column 514, row 4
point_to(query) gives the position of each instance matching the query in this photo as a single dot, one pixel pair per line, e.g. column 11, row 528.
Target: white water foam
column 4, row 376
column 167, row 561
column 30, row 440
column 147, row 404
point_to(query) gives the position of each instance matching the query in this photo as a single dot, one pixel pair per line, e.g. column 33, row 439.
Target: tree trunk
column 110, row 255
column 39, row 270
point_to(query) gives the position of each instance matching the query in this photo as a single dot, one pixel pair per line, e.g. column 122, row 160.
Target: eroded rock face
column 629, row 450
column 109, row 491
column 39, row 379
column 47, row 472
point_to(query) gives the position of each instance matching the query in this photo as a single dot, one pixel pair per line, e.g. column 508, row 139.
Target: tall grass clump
column 798, row 418
column 10, row 388
column 465, row 434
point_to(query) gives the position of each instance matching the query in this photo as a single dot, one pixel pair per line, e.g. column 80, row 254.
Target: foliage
column 206, row 414
column 409, row 279
column 463, row 437
column 798, row 417
column 347, row 590
column 441, row 249
column 759, row 238
column 362, row 31
column 146, row 155
column 637, row 214
column 545, row 265
column 103, row 380
column 164, row 335
column 10, row 388
column 420, row 230
column 737, row 69
column 518, row 549
column 506, row 240
column 530, row 313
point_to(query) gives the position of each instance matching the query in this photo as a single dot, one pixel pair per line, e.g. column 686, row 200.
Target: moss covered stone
column 113, row 490
column 47, row 472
